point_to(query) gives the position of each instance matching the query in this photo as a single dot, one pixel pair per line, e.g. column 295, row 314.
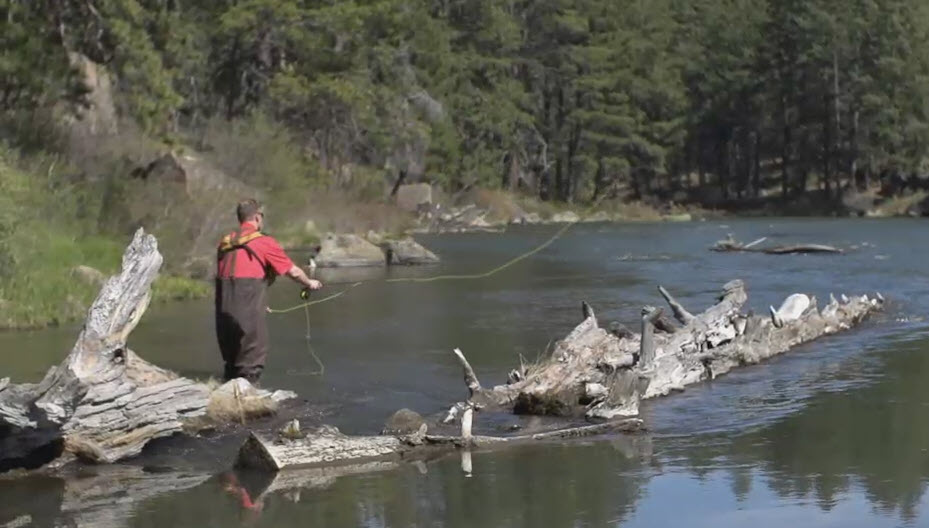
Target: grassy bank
column 44, row 239
column 45, row 287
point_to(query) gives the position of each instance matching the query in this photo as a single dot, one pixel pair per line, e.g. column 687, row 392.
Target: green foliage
column 567, row 99
column 173, row 288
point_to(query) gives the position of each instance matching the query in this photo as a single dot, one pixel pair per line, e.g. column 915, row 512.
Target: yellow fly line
column 493, row 271
column 561, row 231
column 306, row 305
column 311, row 303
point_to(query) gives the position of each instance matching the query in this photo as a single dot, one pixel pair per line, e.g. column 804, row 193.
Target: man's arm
column 297, row 275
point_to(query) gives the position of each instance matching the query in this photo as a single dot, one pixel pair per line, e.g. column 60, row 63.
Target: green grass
column 41, row 290
column 44, row 291
column 175, row 288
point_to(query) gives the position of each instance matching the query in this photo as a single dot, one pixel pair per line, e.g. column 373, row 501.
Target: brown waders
column 240, row 326
column 241, row 304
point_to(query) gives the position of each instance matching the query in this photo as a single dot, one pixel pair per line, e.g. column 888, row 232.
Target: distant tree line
column 569, row 99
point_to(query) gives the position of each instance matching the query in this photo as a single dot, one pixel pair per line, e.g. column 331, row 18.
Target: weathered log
column 802, row 248
column 662, row 322
column 680, row 313
column 594, row 373
column 731, row 245
column 103, row 402
column 327, row 446
column 470, row 378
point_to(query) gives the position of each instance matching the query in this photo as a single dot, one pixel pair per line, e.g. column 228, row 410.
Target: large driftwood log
column 595, row 373
column 731, row 245
column 104, row 402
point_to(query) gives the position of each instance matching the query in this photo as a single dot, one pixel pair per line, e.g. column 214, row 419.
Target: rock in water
column 403, row 422
column 407, row 252
column 566, row 217
column 343, row 251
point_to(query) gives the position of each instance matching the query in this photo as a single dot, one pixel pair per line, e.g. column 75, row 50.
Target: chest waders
column 240, row 305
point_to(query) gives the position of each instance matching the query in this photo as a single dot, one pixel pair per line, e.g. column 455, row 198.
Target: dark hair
column 247, row 209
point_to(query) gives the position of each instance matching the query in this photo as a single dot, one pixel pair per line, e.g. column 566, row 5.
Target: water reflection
column 842, row 451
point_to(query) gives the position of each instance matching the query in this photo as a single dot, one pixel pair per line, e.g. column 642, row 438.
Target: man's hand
column 313, row 285
column 309, row 284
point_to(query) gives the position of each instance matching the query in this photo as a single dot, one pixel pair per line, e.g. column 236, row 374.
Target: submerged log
column 731, row 245
column 103, row 402
column 327, row 446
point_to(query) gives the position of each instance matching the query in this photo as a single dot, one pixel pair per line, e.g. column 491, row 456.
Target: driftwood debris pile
column 731, row 245
column 103, row 402
column 595, row 373
column 599, row 374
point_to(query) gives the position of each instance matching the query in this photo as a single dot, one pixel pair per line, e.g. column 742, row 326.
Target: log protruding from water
column 104, row 403
column 604, row 375
column 731, row 245
column 680, row 313
column 327, row 446
column 474, row 386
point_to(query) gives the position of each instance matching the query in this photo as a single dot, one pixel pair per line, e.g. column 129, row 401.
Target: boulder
column 344, row 251
column 88, row 275
column 407, row 252
column 375, row 238
column 599, row 216
column 859, row 203
column 237, row 399
column 411, row 196
column 166, row 168
column 403, row 422
column 567, row 217
column 527, row 218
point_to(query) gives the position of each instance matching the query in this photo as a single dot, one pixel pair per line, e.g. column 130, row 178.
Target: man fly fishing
column 248, row 261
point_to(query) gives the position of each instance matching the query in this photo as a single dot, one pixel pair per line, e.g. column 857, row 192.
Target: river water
column 834, row 433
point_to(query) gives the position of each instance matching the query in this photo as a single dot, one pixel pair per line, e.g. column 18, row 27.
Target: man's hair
column 247, row 209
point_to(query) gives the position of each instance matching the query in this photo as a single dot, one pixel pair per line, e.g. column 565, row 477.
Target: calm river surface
column 835, row 433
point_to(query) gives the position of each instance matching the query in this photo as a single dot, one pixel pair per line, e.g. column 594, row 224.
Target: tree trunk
column 785, row 147
column 103, row 402
column 756, row 171
column 853, row 151
column 837, row 123
column 827, row 150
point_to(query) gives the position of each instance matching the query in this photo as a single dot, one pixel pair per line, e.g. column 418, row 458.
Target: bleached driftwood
column 327, row 446
column 731, row 245
column 593, row 372
column 103, row 402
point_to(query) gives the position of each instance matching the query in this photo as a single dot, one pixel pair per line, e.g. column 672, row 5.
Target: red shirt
column 270, row 255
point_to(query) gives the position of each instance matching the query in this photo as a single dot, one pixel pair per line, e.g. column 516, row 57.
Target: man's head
column 250, row 211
